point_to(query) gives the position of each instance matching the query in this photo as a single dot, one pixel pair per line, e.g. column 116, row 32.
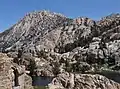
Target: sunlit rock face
column 82, row 81
column 52, row 31
column 5, row 72
column 12, row 75
column 49, row 44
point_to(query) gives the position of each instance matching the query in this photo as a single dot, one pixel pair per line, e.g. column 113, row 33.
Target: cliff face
column 5, row 72
column 13, row 75
column 49, row 44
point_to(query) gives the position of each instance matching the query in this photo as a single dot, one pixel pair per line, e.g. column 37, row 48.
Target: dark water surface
column 41, row 81
column 115, row 76
column 44, row 81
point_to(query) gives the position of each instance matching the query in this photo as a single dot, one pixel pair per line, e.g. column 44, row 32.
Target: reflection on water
column 41, row 81
column 111, row 75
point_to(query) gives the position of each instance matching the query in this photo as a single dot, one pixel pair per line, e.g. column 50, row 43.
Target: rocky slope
column 49, row 44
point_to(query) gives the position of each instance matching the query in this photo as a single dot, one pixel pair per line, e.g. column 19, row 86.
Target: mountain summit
column 31, row 27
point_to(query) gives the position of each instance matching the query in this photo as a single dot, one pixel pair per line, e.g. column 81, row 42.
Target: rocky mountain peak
column 111, row 16
column 85, row 21
column 44, row 13
column 32, row 25
column 110, row 19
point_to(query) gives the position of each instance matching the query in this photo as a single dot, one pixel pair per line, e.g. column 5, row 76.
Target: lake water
column 111, row 75
column 41, row 81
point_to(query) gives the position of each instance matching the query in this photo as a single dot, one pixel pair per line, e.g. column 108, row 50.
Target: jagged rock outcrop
column 49, row 44
column 5, row 72
column 82, row 81
column 12, row 75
